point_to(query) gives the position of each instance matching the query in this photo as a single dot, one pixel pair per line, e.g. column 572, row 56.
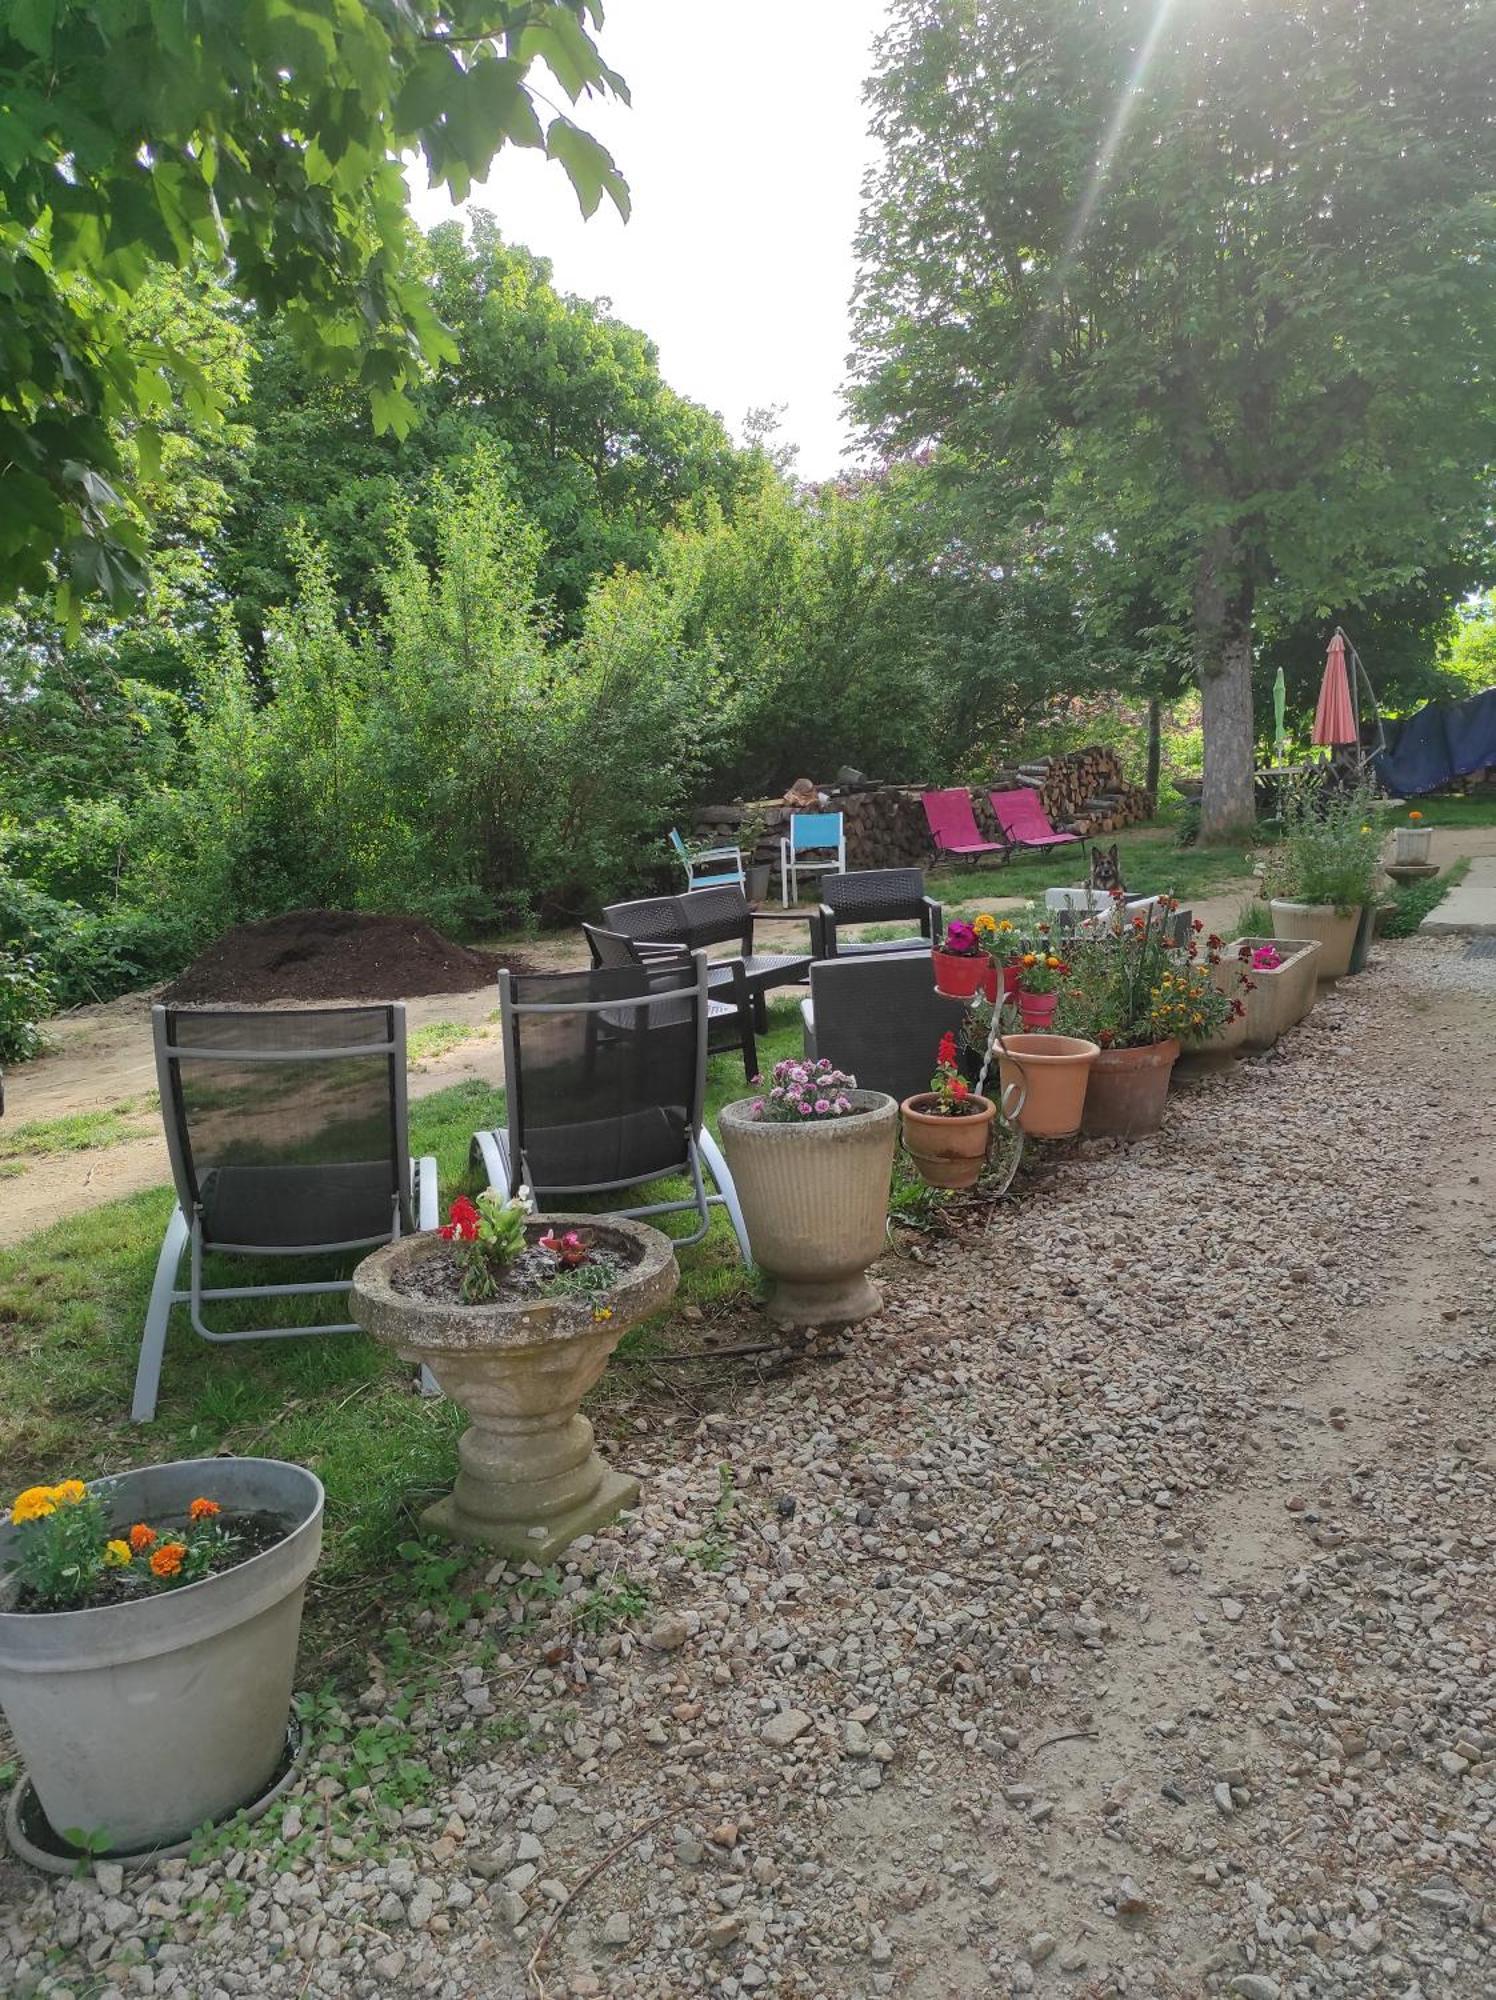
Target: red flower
column 959, row 1089
column 462, row 1223
column 946, row 1054
column 1197, row 925
column 1214, row 942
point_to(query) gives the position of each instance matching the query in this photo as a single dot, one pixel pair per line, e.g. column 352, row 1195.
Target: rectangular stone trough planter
column 1279, row 996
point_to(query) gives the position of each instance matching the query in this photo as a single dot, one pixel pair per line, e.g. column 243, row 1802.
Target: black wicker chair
column 880, row 1018
column 729, row 1008
column 705, row 917
column 875, row 896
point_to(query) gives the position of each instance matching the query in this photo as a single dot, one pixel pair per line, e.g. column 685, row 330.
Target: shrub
column 1331, row 848
column 25, row 1001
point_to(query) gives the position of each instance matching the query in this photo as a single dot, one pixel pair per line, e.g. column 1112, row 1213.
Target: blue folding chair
column 820, row 834
column 702, row 864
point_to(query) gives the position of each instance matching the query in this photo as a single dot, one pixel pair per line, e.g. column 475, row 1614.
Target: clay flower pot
column 814, row 1196
column 958, row 978
column 1336, row 933
column 139, row 1720
column 1052, row 1069
column 1037, row 1009
column 1127, row 1090
column 948, row 1152
column 529, row 1481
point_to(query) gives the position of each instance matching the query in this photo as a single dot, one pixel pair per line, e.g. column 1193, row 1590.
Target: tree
column 598, row 450
column 264, row 142
column 1216, row 280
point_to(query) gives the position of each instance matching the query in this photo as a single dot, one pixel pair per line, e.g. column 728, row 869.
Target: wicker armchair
column 875, row 896
column 879, row 1017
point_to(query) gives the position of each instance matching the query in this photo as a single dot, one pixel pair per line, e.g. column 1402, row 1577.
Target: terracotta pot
column 958, row 978
column 947, row 1152
column 815, row 1199
column 1336, row 933
column 1037, row 1009
column 1052, row 1070
column 1127, row 1089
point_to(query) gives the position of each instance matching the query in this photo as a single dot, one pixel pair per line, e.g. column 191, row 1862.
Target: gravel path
column 1116, row 1618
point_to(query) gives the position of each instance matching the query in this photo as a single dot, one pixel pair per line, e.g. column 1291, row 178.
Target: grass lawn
column 72, row 1303
column 1152, row 864
column 1450, row 811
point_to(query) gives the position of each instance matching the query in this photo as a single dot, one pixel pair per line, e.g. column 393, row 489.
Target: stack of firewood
column 1083, row 790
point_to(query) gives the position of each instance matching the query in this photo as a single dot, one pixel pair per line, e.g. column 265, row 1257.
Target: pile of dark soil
column 333, row 955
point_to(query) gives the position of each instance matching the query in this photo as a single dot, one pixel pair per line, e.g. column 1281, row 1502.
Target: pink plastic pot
column 1037, row 1009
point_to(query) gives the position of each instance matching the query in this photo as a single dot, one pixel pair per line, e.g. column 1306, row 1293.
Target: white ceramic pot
column 1335, row 934
column 138, row 1721
column 815, row 1200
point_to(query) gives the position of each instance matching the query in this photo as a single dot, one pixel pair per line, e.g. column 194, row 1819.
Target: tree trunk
column 1155, row 743
column 1223, row 660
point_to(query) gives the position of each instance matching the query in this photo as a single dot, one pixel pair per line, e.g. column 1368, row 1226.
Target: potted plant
column 756, row 874
column 948, row 1128
column 1412, row 841
column 516, row 1314
column 1041, row 974
column 148, row 1633
column 1321, row 876
column 1276, row 991
column 812, row 1159
column 1135, row 992
column 960, row 961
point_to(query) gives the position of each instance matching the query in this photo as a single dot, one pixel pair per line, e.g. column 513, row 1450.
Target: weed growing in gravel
column 715, row 1546
column 614, row 1605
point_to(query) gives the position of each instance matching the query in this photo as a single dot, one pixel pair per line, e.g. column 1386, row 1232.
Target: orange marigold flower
column 70, row 1492
column 168, row 1558
column 203, row 1510
column 141, row 1537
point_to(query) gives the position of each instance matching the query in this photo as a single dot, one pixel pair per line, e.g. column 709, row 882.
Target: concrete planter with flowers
column 1280, row 974
column 148, row 1633
column 812, row 1160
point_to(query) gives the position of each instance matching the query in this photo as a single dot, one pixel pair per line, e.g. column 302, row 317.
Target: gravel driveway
column 1116, row 1617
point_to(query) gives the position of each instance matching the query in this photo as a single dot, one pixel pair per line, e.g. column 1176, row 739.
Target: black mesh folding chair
column 875, row 896
column 287, row 1134
column 605, row 1081
column 879, row 1018
column 729, row 1007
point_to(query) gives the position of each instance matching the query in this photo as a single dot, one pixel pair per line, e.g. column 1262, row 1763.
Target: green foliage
column 1330, row 850
column 268, row 145
column 1412, row 901
column 1471, row 661
column 26, row 998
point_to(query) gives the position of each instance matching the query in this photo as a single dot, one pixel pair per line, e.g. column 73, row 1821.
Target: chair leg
column 428, row 1216
column 716, row 1166
column 749, row 1044
column 153, row 1340
column 487, row 1151
column 761, row 1011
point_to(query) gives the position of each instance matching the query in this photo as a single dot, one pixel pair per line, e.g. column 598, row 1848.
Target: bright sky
column 744, row 151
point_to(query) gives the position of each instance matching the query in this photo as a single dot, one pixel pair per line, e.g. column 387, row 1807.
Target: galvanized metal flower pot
column 138, row 1721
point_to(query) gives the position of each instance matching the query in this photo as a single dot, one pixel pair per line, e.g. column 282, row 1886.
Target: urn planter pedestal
column 529, row 1480
column 815, row 1199
column 139, row 1720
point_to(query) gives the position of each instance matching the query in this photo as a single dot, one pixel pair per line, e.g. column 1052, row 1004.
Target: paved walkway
column 1470, row 907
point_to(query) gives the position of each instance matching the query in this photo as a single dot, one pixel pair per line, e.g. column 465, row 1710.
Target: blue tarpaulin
column 1446, row 740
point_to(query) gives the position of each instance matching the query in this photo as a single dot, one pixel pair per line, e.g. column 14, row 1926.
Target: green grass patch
column 80, row 1132
column 1152, row 865
column 1414, row 900
column 437, row 1037
column 1452, row 810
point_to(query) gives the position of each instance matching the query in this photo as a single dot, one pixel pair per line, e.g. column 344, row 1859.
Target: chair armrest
column 658, row 948
column 932, row 923
column 823, row 932
column 714, row 853
column 810, row 917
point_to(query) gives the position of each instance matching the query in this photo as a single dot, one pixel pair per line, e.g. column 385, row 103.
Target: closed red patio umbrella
column 1335, row 716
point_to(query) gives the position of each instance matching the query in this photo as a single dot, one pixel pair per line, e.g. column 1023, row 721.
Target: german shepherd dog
column 1106, row 870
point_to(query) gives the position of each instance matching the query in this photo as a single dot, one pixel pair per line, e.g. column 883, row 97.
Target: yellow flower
column 1004, row 923
column 116, row 1555
column 602, row 1312
column 1366, row 829
column 70, row 1492
column 983, row 924
column 32, row 1505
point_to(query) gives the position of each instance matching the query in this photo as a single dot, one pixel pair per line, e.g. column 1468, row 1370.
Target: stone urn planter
column 947, row 1151
column 1412, row 844
column 1281, row 995
column 529, row 1480
column 1334, row 932
column 815, row 1201
column 140, row 1719
column 1051, row 1073
column 1127, row 1090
